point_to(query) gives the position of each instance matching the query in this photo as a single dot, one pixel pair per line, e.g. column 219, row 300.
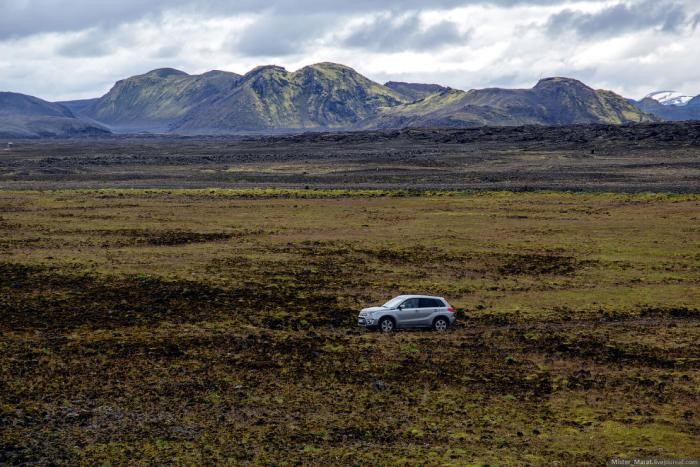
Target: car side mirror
column 402, row 306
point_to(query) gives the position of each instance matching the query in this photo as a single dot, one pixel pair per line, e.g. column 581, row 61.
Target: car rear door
column 427, row 307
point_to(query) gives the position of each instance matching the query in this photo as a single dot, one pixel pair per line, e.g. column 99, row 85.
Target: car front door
column 406, row 314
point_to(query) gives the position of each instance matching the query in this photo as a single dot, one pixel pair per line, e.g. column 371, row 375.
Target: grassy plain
column 201, row 326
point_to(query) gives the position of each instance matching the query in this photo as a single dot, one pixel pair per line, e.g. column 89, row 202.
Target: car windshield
column 394, row 302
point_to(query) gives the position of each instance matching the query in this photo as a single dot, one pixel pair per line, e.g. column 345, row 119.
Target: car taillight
column 450, row 309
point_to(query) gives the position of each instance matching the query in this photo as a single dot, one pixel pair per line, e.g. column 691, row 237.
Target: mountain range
column 324, row 96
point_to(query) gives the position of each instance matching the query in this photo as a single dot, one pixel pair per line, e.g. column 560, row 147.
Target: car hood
column 373, row 308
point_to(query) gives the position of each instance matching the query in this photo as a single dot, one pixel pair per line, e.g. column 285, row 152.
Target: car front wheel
column 386, row 325
column 440, row 324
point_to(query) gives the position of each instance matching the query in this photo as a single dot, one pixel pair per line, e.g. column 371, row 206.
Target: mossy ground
column 218, row 327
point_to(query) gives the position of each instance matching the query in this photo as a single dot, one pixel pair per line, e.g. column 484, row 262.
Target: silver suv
column 408, row 311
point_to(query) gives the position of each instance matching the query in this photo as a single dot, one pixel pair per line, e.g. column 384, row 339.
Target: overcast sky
column 69, row 49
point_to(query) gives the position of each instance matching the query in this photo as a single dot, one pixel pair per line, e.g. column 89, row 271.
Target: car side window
column 426, row 303
column 410, row 303
column 437, row 303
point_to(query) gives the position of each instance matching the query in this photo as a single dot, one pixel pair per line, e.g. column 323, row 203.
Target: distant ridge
column 415, row 91
column 23, row 116
column 669, row 97
column 690, row 110
column 77, row 106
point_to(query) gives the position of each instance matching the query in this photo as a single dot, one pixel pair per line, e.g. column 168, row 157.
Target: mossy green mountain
column 152, row 101
column 553, row 101
column 269, row 98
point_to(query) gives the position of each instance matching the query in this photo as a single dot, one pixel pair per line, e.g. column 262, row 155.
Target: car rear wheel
column 386, row 325
column 440, row 324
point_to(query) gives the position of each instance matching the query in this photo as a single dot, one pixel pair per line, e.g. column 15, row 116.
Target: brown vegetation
column 218, row 327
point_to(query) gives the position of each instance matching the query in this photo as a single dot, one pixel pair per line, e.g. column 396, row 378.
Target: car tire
column 386, row 325
column 440, row 324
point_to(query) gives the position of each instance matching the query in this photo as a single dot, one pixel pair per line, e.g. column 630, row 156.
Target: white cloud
column 463, row 44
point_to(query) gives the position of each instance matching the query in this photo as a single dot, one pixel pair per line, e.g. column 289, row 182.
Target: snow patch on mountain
column 669, row 97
